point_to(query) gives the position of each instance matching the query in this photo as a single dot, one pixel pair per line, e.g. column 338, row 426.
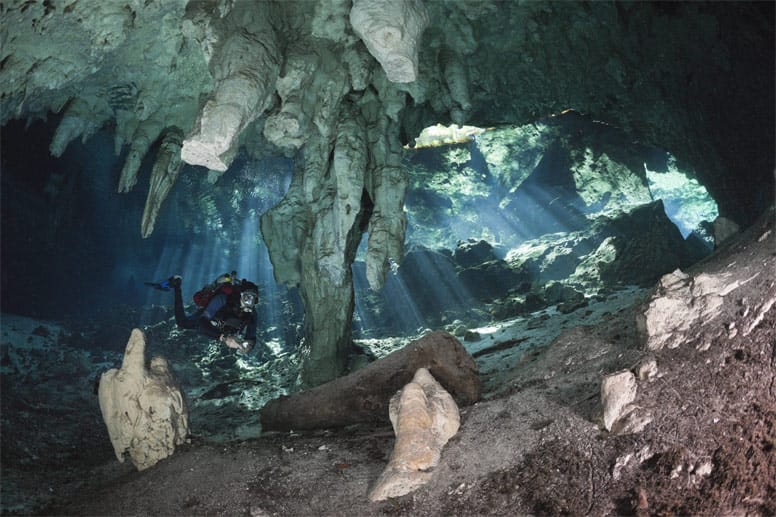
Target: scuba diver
column 226, row 310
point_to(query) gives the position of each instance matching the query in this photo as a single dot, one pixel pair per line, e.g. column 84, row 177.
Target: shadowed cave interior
column 520, row 175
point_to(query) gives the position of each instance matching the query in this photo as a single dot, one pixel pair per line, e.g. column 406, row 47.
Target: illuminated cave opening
column 497, row 216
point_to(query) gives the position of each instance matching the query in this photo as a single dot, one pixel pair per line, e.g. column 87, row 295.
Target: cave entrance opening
column 506, row 221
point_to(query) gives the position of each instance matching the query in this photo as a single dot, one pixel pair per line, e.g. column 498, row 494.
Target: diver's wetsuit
column 217, row 310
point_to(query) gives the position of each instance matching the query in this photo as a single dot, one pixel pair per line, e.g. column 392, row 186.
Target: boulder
column 621, row 416
column 424, row 418
column 143, row 407
column 679, row 303
column 473, row 252
column 618, row 390
column 491, row 280
column 724, row 229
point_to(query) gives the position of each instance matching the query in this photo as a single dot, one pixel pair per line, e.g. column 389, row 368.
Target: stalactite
column 145, row 135
column 163, row 175
column 81, row 119
column 391, row 30
column 245, row 68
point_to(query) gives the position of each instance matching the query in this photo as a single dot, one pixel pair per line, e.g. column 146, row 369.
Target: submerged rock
column 680, row 303
column 143, row 407
column 424, row 418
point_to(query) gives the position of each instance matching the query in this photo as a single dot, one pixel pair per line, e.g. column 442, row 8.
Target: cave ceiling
column 695, row 78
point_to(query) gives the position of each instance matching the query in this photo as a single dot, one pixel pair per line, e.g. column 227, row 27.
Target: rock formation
column 680, row 303
column 364, row 396
column 143, row 407
column 244, row 67
column 294, row 72
column 621, row 415
column 391, row 31
column 424, row 418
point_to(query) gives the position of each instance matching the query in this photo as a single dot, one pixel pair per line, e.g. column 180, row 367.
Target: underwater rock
column 391, row 31
column 424, row 417
column 245, row 67
column 618, row 391
column 491, row 280
column 723, row 229
column 163, row 175
column 633, row 247
column 363, row 396
column 143, row 407
column 679, row 303
column 473, row 252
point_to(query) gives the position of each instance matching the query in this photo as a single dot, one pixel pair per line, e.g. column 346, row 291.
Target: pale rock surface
column 633, row 420
column 142, row 407
column 312, row 234
column 391, row 31
column 679, row 303
column 618, row 391
column 245, row 66
column 457, row 81
column 424, row 417
column 290, row 126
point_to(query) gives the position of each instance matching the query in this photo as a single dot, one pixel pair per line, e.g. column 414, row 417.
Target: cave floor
column 533, row 445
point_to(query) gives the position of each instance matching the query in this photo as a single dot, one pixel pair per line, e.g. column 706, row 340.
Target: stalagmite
column 245, row 68
column 163, row 175
column 145, row 135
column 424, row 418
column 143, row 408
column 391, row 31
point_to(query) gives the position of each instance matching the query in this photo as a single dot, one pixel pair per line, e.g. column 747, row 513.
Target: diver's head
column 249, row 297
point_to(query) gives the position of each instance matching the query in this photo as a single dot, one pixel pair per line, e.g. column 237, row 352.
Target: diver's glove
column 246, row 346
column 242, row 347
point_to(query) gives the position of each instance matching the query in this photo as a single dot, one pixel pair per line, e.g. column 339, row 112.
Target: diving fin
column 162, row 286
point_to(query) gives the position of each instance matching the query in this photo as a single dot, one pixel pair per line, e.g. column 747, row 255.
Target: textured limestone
column 146, row 134
column 364, row 395
column 314, row 232
column 679, row 303
column 290, row 126
column 163, row 175
column 386, row 185
column 391, row 30
column 618, row 391
column 245, row 67
column 142, row 407
column 82, row 118
column 457, row 81
column 424, row 417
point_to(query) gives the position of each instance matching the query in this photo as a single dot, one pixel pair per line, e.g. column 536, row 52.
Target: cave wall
column 196, row 80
